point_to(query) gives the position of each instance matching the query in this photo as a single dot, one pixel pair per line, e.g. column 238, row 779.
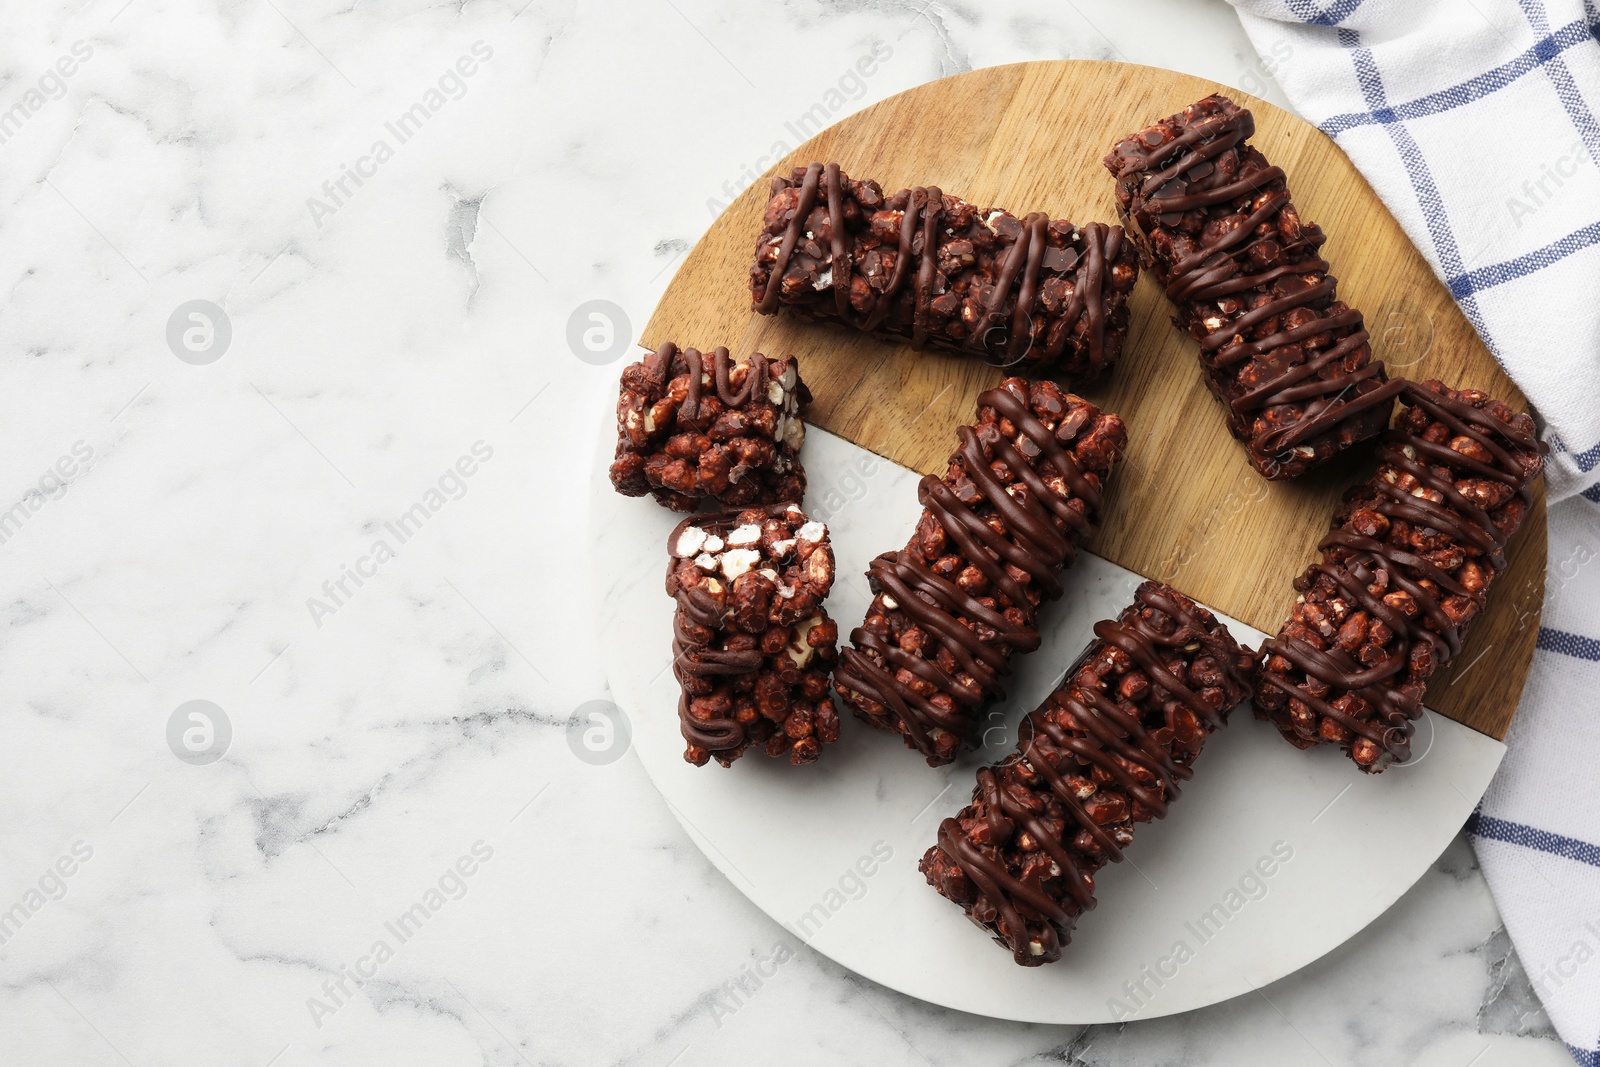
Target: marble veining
column 395, row 211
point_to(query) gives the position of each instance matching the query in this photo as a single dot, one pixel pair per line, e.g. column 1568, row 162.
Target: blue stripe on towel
column 1515, row 833
column 1541, row 52
column 1574, row 645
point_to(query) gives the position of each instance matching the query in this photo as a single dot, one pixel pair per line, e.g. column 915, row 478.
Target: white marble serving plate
column 1271, row 858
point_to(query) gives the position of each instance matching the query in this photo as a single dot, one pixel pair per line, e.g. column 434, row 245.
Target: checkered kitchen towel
column 1476, row 121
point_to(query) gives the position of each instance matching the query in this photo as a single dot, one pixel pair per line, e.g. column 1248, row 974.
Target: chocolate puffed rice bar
column 752, row 646
column 1033, row 295
column 1289, row 361
column 1405, row 569
column 1020, row 494
column 695, row 429
column 1104, row 752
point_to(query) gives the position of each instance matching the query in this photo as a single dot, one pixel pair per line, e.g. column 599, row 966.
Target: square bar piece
column 695, row 430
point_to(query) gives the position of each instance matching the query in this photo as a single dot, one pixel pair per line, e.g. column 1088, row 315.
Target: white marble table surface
column 398, row 207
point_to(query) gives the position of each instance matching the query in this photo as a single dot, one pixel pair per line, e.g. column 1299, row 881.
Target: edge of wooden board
column 993, row 137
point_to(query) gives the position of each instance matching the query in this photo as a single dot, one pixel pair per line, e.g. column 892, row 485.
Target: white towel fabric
column 1476, row 122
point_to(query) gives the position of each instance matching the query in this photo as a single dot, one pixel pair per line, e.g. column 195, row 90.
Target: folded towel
column 1476, row 122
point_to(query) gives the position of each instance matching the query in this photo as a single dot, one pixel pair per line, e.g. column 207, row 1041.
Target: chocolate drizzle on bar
column 1094, row 754
column 696, row 428
column 691, row 659
column 1258, row 247
column 1005, row 338
column 1354, row 562
column 752, row 646
column 658, row 365
column 1043, row 528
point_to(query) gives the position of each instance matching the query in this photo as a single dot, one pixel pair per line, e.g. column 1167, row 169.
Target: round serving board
column 1184, row 507
column 1275, row 856
column 1272, row 858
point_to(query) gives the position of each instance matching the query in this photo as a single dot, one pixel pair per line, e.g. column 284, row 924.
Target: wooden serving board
column 1185, row 507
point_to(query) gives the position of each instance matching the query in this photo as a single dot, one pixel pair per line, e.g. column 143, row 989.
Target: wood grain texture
column 1185, row 507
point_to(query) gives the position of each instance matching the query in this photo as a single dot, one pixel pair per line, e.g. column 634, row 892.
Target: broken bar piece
column 752, row 646
column 694, row 429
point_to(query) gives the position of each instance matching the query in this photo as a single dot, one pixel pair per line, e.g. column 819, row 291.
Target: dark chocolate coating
column 1031, row 294
column 1105, row 751
column 752, row 645
column 1290, row 362
column 1019, row 497
column 688, row 435
column 1398, row 559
